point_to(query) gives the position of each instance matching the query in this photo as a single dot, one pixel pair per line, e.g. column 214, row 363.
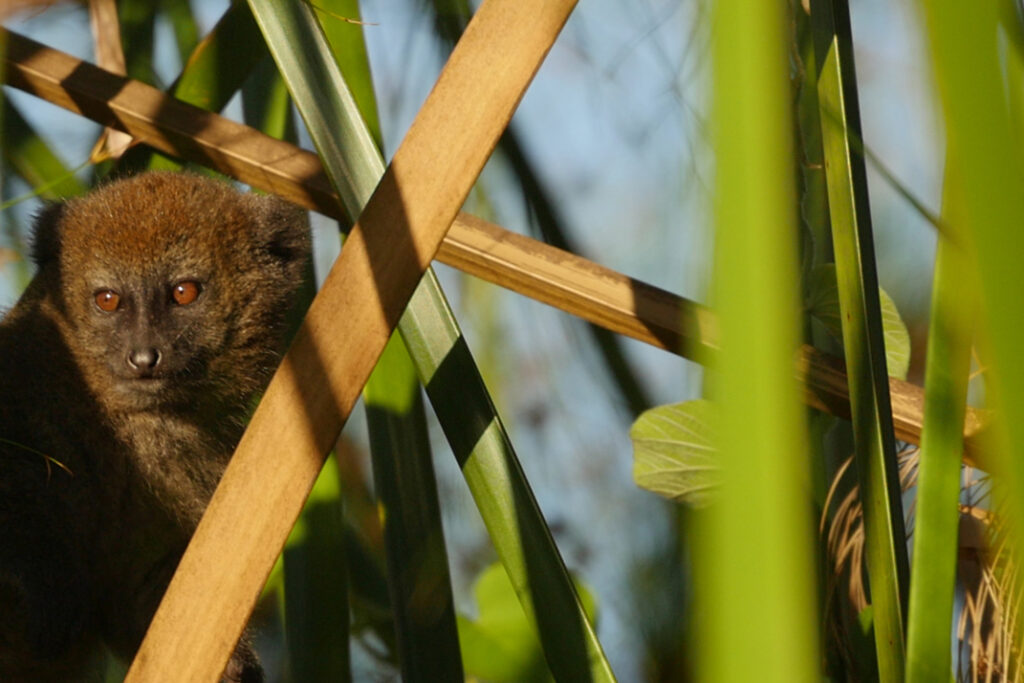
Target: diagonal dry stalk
column 555, row 277
column 106, row 33
column 311, row 395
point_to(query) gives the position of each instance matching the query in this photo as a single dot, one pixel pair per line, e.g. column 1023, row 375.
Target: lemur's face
column 173, row 284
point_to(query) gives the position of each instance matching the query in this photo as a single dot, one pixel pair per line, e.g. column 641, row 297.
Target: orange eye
column 185, row 292
column 107, row 300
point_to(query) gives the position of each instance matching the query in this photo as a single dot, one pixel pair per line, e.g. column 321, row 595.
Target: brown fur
column 87, row 551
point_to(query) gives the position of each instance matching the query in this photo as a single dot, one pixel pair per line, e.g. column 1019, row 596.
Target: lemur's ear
column 282, row 230
column 46, row 234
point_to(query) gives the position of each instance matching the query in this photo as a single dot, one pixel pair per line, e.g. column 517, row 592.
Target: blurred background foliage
column 610, row 156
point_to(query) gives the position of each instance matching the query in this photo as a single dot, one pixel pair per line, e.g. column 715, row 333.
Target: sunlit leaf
column 823, row 305
column 673, row 452
column 501, row 645
column 897, row 339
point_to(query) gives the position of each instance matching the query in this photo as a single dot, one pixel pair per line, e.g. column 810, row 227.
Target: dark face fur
column 173, row 286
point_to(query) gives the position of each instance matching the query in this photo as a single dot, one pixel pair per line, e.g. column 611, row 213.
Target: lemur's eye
column 107, row 300
column 185, row 292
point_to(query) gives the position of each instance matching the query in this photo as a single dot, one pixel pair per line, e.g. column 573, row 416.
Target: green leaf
column 138, row 20
column 418, row 577
column 348, row 44
column 897, row 339
column 674, row 453
column 221, row 62
column 974, row 69
column 349, row 153
column 501, row 645
column 316, row 602
column 823, row 305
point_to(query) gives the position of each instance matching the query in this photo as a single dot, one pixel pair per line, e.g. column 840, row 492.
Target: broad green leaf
column 897, row 338
column 823, row 306
column 674, row 453
column 138, row 20
column 500, row 645
column 315, row 586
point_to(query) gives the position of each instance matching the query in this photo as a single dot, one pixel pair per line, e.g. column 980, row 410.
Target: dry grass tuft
column 988, row 606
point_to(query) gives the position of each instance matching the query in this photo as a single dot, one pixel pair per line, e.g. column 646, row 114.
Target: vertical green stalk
column 756, row 570
column 138, row 21
column 983, row 134
column 419, row 581
column 933, row 573
column 316, row 590
column 863, row 338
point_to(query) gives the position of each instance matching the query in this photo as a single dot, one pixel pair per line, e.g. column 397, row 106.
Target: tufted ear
column 282, row 230
column 46, row 234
